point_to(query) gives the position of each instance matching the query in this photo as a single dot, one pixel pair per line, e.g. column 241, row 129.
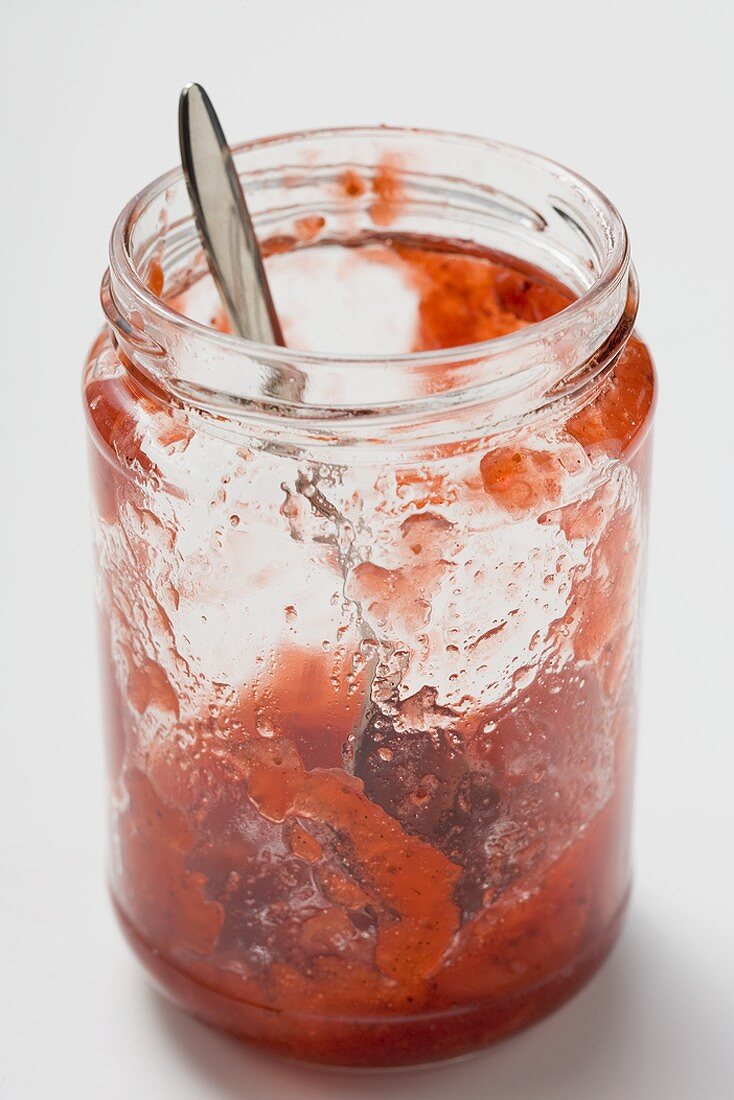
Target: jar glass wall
column 369, row 605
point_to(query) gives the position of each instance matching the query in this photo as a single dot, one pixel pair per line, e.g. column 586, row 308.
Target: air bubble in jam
column 371, row 729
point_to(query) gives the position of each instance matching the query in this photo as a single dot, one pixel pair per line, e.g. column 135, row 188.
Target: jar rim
column 309, row 399
column 614, row 266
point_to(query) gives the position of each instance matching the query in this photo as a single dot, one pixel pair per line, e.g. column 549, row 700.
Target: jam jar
column 369, row 604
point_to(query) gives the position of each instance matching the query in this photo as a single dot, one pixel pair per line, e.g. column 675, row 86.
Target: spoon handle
column 223, row 220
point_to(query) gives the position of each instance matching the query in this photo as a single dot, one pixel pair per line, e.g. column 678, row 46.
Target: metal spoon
column 223, row 220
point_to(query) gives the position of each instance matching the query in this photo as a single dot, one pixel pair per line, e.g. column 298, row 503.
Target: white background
column 637, row 97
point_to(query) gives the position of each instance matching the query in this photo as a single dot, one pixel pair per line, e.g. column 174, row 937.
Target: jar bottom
column 371, row 1043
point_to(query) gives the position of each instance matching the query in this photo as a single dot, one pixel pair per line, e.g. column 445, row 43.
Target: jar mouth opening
column 613, row 261
column 459, row 189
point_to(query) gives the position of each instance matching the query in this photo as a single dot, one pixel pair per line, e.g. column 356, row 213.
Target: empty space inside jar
column 390, row 294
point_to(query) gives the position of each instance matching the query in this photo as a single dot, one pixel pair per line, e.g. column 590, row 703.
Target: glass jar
column 370, row 615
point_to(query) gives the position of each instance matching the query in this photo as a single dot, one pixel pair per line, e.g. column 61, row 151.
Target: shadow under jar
column 369, row 605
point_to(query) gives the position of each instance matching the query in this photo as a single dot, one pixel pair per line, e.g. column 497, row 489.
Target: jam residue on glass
column 402, row 833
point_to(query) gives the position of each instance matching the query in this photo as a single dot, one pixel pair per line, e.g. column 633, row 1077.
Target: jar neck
column 443, row 185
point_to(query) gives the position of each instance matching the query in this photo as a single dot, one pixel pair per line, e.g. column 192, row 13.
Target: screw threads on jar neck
column 444, row 185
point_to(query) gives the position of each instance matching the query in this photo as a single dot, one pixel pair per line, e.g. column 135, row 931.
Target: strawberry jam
column 371, row 728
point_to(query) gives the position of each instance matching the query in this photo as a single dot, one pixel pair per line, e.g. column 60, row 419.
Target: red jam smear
column 353, row 912
column 464, row 300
